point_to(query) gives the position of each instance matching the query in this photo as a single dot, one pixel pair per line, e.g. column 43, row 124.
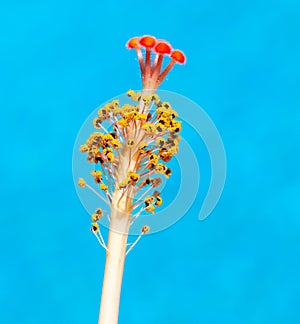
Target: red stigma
column 178, row 56
column 163, row 47
column 133, row 43
column 147, row 41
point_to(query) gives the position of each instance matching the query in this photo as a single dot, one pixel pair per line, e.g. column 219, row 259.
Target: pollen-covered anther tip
column 147, row 41
column 178, row 56
column 96, row 217
column 81, row 183
column 145, row 229
column 95, row 227
column 133, row 43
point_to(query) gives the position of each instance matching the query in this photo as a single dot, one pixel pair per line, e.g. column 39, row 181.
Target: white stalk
column 114, row 267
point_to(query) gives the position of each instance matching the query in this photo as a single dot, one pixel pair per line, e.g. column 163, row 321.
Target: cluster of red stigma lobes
column 133, row 141
column 152, row 72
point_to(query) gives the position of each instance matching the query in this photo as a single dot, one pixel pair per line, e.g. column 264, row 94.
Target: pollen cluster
column 146, row 126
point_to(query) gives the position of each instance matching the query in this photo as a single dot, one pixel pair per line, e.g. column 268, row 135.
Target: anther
column 81, row 183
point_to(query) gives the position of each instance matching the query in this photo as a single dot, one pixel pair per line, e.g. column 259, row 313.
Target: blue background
column 61, row 59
